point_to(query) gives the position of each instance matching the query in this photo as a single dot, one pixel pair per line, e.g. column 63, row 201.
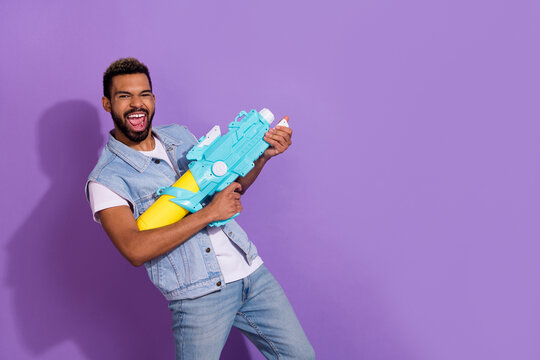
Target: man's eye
column 124, row 96
column 146, row 94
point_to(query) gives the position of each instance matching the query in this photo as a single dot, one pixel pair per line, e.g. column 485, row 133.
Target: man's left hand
column 279, row 140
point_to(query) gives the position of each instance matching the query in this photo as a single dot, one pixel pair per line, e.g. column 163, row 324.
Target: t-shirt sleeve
column 101, row 197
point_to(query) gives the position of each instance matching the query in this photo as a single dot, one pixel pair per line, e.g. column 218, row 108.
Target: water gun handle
column 223, row 222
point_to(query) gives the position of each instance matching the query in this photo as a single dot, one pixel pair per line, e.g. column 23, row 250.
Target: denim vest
column 188, row 271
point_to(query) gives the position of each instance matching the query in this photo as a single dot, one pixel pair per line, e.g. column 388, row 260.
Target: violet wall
column 402, row 223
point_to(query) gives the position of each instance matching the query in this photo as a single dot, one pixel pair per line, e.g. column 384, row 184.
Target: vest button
column 207, row 250
column 218, row 283
column 157, row 161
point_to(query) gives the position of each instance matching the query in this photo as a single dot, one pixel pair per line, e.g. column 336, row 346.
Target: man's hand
column 225, row 204
column 279, row 140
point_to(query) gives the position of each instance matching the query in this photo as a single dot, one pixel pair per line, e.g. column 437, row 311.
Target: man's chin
column 134, row 135
column 138, row 136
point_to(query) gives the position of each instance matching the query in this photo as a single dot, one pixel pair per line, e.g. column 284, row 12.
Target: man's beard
column 135, row 136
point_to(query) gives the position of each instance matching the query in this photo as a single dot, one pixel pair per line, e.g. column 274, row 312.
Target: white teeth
column 136, row 115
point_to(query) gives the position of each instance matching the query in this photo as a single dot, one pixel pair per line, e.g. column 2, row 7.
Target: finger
column 233, row 187
column 280, row 140
column 277, row 134
column 236, row 195
column 287, row 138
column 284, row 130
column 273, row 144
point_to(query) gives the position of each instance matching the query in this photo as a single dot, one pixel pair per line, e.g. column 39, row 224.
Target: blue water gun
column 216, row 161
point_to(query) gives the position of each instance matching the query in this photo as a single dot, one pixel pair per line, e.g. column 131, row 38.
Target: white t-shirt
column 231, row 259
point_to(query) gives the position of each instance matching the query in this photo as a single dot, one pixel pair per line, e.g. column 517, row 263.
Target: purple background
column 402, row 223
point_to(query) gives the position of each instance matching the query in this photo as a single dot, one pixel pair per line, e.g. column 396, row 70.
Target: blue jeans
column 256, row 305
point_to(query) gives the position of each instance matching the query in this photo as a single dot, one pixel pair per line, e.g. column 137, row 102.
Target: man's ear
column 106, row 102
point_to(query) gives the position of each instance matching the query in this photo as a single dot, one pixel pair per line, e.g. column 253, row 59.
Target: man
column 212, row 277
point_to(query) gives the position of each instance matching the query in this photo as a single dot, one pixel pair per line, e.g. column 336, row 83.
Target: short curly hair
column 123, row 66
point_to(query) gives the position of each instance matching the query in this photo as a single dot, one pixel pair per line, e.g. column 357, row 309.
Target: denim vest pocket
column 192, row 256
column 165, row 272
column 182, row 267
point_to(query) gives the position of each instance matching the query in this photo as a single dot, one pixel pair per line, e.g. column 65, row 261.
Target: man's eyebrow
column 128, row 93
column 122, row 92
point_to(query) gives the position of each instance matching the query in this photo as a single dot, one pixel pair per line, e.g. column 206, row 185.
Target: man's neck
column 147, row 144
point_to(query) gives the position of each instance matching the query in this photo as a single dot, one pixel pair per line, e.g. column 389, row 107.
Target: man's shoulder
column 175, row 132
column 171, row 128
column 106, row 158
column 167, row 127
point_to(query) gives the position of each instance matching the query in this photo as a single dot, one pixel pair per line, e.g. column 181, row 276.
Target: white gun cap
column 267, row 115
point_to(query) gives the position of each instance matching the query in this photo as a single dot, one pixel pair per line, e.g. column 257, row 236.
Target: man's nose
column 136, row 101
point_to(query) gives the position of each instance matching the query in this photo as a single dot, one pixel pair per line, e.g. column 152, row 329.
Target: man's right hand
column 226, row 203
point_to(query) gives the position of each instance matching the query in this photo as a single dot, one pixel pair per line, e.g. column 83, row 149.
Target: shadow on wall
column 70, row 283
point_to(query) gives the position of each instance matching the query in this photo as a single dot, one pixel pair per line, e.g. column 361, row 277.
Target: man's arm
column 140, row 246
column 279, row 140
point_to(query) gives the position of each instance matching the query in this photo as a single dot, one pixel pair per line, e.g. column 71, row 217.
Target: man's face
column 132, row 106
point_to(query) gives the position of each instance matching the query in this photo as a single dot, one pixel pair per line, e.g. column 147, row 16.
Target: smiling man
column 212, row 277
column 132, row 123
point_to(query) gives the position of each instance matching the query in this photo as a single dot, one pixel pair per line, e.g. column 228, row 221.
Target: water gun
column 216, row 162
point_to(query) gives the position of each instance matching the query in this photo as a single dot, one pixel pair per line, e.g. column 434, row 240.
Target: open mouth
column 137, row 120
